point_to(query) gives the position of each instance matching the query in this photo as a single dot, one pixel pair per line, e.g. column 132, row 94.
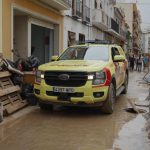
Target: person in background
column 132, row 61
column 139, row 63
column 145, row 61
column 136, row 62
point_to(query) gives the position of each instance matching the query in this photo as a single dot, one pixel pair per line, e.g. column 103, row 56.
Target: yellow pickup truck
column 83, row 75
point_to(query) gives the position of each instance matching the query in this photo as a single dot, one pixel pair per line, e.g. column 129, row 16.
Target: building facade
column 44, row 28
column 93, row 20
column 136, row 30
column 133, row 20
column 78, row 23
column 146, row 41
column 33, row 27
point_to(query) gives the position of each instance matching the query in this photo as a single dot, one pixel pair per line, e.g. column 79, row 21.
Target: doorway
column 42, row 43
column 33, row 37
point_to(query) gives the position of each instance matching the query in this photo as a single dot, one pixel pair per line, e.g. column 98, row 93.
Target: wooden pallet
column 9, row 94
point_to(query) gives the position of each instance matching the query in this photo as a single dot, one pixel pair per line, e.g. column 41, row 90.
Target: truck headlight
column 99, row 78
column 39, row 76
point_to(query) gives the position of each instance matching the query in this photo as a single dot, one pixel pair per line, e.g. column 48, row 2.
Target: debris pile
column 10, row 98
column 16, row 85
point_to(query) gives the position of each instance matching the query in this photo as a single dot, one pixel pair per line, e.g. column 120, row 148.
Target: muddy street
column 78, row 128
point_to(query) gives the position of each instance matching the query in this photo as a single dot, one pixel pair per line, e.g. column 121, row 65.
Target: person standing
column 132, row 60
column 145, row 61
column 139, row 63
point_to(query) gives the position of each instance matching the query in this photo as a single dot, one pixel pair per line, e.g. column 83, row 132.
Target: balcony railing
column 86, row 14
column 116, row 30
column 77, row 9
column 100, row 19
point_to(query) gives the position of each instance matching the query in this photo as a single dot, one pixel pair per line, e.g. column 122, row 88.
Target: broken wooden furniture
column 10, row 94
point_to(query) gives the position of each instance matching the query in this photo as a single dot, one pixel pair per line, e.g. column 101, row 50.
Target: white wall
column 91, row 33
column 128, row 9
column 74, row 26
column 1, row 26
column 147, row 35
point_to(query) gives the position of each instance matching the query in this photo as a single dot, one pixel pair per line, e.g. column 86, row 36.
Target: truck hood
column 74, row 65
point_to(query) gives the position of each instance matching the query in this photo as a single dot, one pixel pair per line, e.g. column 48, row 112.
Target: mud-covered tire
column 108, row 106
column 44, row 106
column 125, row 85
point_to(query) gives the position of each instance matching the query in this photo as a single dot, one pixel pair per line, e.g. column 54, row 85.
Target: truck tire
column 108, row 106
column 125, row 85
column 44, row 106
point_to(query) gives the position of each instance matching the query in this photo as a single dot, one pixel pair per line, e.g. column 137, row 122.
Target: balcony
column 100, row 19
column 116, row 31
column 114, row 25
column 55, row 4
column 86, row 14
column 76, row 9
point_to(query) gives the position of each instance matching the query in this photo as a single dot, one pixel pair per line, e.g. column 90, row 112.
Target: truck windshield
column 86, row 53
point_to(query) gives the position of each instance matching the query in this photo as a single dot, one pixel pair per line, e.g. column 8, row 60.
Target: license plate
column 63, row 90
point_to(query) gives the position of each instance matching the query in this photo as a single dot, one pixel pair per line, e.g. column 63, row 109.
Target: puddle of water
column 132, row 136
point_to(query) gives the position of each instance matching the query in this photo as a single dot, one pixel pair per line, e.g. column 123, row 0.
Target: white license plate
column 63, row 90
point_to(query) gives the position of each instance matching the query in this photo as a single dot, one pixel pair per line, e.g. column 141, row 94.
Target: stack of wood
column 10, row 97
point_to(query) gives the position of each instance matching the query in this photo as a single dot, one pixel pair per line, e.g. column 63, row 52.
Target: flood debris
column 141, row 105
column 133, row 108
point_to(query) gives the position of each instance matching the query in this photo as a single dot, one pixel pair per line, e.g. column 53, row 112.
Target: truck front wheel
column 108, row 106
column 44, row 106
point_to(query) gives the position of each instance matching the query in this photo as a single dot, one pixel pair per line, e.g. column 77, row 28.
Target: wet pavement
column 78, row 128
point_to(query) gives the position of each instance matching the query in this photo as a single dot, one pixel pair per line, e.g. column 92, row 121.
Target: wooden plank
column 16, row 106
column 15, row 98
column 4, row 74
column 6, row 83
column 11, row 101
column 1, row 84
column 9, row 90
column 3, row 98
column 6, row 102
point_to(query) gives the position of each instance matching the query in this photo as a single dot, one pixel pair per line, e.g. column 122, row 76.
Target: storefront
column 31, row 28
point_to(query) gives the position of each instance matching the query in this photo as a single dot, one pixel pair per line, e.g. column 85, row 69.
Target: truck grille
column 76, row 79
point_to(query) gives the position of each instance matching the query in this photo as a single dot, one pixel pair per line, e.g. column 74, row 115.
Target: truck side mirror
column 118, row 58
column 54, row 58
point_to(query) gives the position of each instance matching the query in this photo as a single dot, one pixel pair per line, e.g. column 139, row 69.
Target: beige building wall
column 1, row 26
column 128, row 10
column 30, row 6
